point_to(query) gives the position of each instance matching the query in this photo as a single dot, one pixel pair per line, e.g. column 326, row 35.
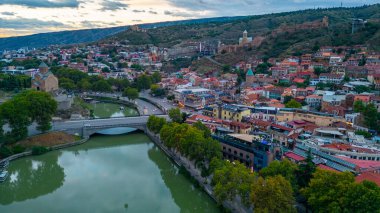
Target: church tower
column 249, row 76
column 43, row 68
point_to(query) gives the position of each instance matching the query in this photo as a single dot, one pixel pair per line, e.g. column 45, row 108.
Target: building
column 245, row 40
column 319, row 119
column 314, row 100
column 231, row 112
column 252, row 150
column 44, row 80
column 249, row 76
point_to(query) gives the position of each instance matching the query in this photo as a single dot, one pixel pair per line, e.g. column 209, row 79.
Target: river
column 125, row 173
column 113, row 173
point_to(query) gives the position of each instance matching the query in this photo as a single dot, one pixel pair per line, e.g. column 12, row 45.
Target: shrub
column 18, row 149
column 5, row 152
column 39, row 150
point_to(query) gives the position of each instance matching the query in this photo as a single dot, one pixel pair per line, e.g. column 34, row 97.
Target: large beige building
column 44, row 80
column 320, row 119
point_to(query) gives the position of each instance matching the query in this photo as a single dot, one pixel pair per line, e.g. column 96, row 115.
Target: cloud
column 252, row 7
column 98, row 24
column 177, row 13
column 138, row 11
column 113, row 5
column 42, row 3
column 21, row 23
column 8, row 13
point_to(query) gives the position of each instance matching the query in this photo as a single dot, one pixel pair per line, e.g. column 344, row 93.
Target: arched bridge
column 86, row 128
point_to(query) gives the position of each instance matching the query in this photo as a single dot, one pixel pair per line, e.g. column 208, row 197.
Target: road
column 159, row 101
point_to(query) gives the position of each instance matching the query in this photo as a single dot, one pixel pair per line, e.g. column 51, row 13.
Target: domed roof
column 249, row 72
column 43, row 65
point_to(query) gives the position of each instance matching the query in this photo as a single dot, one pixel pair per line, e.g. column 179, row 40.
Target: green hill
column 284, row 42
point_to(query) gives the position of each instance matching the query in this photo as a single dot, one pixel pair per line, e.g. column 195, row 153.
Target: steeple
column 43, row 68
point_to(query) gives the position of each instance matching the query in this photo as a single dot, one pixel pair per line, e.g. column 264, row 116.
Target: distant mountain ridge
column 89, row 35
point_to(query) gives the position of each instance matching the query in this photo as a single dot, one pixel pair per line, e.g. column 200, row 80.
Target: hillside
column 289, row 38
column 57, row 38
column 89, row 35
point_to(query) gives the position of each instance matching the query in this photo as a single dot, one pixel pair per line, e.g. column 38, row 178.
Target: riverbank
column 50, row 141
column 47, row 140
column 195, row 173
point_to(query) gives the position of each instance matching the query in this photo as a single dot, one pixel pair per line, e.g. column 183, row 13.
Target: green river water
column 120, row 173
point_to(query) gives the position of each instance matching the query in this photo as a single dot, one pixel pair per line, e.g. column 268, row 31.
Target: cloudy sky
column 23, row 17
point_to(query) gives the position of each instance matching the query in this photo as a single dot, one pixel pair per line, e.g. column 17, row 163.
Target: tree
column 156, row 90
column 359, row 106
column 137, row 67
column 155, row 123
column 287, row 99
column 263, row 67
column 25, row 108
column 337, row 192
column 285, row 168
column 361, row 89
column 41, row 107
column 319, row 71
column 175, row 115
column 143, row 82
column 106, row 69
column 305, row 171
column 293, row 104
column 67, row 84
column 364, row 133
column 371, row 117
column 131, row 93
column 102, row 86
column 226, row 68
column 206, row 131
column 156, row 78
column 232, row 180
column 273, row 194
column 346, row 78
column 84, row 85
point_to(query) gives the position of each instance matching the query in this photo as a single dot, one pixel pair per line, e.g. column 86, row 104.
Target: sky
column 25, row 17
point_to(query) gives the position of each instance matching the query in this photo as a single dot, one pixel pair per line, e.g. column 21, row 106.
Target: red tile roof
column 281, row 127
column 362, row 164
column 294, row 156
column 324, row 167
column 370, row 176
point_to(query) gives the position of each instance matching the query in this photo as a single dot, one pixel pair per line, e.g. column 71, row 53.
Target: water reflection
column 30, row 179
column 179, row 186
column 109, row 110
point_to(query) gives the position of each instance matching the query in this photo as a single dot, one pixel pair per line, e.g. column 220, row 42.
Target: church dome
column 43, row 65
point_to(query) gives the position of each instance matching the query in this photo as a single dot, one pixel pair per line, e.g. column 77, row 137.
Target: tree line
column 75, row 80
column 14, row 82
column 277, row 188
